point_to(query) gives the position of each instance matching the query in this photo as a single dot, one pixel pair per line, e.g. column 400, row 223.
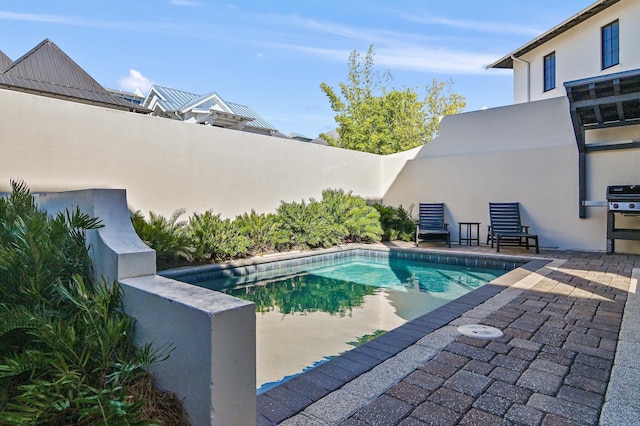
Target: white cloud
column 190, row 3
column 480, row 26
column 135, row 80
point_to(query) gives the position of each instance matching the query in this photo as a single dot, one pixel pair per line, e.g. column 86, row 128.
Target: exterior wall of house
column 165, row 164
column 578, row 53
column 525, row 153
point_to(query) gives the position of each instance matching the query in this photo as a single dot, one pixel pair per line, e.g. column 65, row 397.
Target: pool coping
column 312, row 390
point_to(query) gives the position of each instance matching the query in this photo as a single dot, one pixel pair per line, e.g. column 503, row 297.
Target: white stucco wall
column 164, row 164
column 578, row 53
column 525, row 153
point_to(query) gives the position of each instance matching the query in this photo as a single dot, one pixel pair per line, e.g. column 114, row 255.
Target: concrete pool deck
column 568, row 355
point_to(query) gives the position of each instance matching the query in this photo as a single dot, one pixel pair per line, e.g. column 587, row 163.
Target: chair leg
column 497, row 243
column 449, row 240
column 537, row 248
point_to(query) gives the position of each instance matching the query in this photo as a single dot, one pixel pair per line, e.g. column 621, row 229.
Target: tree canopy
column 374, row 116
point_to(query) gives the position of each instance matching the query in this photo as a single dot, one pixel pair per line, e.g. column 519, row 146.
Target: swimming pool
column 312, row 308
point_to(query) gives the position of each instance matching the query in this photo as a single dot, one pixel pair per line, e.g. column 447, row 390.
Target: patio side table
column 471, row 228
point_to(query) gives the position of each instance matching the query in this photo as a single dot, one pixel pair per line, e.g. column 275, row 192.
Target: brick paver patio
column 552, row 366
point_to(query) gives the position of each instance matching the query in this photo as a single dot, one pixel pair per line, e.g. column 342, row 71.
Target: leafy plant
column 167, row 236
column 66, row 348
column 374, row 116
column 339, row 217
column 360, row 221
column 263, row 230
column 307, row 225
column 215, row 238
column 397, row 223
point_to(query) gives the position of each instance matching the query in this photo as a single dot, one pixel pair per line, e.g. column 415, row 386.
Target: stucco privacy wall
column 525, row 153
column 163, row 164
column 209, row 336
column 578, row 53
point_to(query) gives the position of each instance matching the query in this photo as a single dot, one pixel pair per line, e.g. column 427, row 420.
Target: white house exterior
column 577, row 46
column 210, row 110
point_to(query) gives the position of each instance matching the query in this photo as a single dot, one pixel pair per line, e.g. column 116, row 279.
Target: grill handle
column 591, row 203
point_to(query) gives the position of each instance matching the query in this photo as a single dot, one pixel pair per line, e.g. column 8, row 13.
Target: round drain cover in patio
column 480, row 331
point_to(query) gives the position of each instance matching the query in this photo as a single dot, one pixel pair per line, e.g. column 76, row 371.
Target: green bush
column 397, row 223
column 338, row 218
column 361, row 222
column 167, row 236
column 308, row 226
column 216, row 239
column 264, row 231
column 66, row 347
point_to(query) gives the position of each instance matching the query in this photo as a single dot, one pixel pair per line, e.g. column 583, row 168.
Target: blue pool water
column 322, row 309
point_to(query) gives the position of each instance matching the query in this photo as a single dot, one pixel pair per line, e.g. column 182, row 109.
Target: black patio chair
column 506, row 227
column 431, row 224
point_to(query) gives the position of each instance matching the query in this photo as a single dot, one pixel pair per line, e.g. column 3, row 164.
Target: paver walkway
column 552, row 366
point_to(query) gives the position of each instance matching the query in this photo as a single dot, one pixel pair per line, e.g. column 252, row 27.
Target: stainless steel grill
column 624, row 200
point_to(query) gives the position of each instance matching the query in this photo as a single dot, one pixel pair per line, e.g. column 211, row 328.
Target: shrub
column 397, row 223
column 264, row 231
column 166, row 236
column 307, row 225
column 338, row 218
column 360, row 221
column 66, row 347
column 215, row 238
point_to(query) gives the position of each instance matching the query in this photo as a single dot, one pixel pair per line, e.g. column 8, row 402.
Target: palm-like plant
column 263, row 230
column 215, row 238
column 167, row 236
column 66, row 348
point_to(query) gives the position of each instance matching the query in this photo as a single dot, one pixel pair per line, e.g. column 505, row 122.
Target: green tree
column 373, row 116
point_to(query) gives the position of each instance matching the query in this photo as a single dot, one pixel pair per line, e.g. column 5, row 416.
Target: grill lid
column 623, row 192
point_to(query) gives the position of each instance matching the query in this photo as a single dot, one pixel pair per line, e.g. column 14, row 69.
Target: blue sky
column 273, row 55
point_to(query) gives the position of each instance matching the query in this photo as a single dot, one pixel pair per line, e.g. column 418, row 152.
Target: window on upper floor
column 610, row 45
column 550, row 71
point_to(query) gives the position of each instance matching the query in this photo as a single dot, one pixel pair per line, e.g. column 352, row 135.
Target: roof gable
column 47, row 70
column 5, row 61
column 168, row 99
column 207, row 102
column 47, row 63
column 181, row 102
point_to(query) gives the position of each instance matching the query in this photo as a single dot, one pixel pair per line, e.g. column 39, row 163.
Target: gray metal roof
column 245, row 111
column 169, row 99
column 178, row 100
column 5, row 61
column 47, row 70
column 597, row 7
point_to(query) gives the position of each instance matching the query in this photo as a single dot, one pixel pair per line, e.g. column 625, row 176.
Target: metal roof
column 597, row 7
column 245, row 111
column 207, row 102
column 171, row 100
column 47, row 70
column 5, row 61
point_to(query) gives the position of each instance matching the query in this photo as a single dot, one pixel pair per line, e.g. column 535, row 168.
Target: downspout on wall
column 528, row 75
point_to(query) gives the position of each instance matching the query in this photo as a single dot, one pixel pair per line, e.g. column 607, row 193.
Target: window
column 550, row 71
column 610, row 45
